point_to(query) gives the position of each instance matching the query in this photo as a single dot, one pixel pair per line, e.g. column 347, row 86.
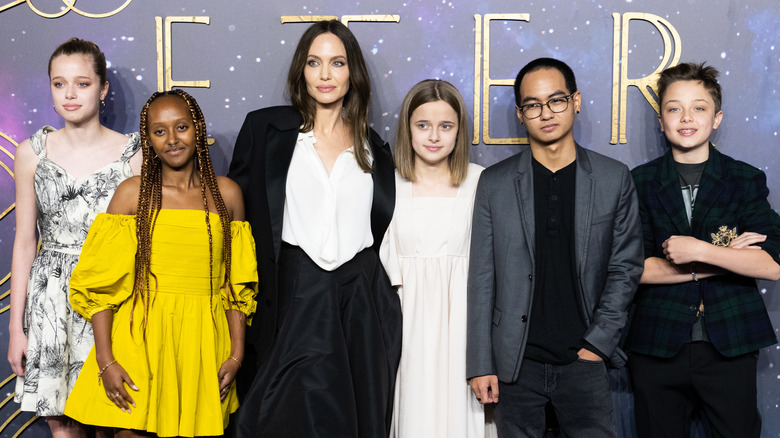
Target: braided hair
column 150, row 203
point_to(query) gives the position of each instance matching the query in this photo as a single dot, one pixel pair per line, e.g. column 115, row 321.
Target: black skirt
column 331, row 370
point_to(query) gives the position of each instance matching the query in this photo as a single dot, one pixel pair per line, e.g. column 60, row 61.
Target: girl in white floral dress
column 64, row 178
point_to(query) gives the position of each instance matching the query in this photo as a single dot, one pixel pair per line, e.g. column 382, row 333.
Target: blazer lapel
column 711, row 186
column 583, row 207
column 383, row 175
column 279, row 151
column 669, row 195
column 524, row 194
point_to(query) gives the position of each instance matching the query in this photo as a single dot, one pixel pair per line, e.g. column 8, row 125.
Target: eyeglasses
column 556, row 105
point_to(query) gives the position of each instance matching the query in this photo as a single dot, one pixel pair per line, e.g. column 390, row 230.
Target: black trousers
column 579, row 393
column 666, row 392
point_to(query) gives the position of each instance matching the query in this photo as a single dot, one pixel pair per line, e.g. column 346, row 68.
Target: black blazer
column 261, row 159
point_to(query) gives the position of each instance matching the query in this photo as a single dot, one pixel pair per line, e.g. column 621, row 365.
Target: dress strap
column 38, row 141
column 132, row 146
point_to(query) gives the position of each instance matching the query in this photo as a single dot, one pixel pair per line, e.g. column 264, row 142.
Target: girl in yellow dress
column 168, row 279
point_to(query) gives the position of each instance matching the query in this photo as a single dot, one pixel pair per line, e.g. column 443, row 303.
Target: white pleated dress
column 425, row 253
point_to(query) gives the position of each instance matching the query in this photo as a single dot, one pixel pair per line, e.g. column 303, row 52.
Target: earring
column 102, row 106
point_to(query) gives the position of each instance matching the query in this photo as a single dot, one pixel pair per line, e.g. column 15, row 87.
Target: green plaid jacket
column 732, row 194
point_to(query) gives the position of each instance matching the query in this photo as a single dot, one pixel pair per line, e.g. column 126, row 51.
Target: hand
column 485, row 388
column 17, row 352
column 589, row 355
column 747, row 240
column 114, row 377
column 227, row 374
column 681, row 250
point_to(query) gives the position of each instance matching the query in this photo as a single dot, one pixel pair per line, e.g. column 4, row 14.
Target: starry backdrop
column 244, row 52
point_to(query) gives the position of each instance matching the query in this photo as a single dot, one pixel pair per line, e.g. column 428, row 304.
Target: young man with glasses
column 555, row 260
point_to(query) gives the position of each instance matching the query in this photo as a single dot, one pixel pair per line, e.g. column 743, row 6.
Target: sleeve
column 388, row 254
column 481, row 288
column 105, row 274
column 757, row 215
column 625, row 266
column 645, row 217
column 243, row 271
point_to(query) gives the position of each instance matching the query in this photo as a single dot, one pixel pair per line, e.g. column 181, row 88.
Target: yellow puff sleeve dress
column 175, row 363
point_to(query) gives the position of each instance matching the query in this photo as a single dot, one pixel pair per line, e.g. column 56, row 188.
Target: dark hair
column 150, row 201
column 355, row 112
column 432, row 90
column 77, row 46
column 542, row 64
column 689, row 71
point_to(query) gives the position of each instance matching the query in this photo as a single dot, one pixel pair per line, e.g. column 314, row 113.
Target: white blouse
column 328, row 217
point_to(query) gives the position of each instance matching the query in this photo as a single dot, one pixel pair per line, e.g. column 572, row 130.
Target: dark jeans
column 666, row 392
column 578, row 392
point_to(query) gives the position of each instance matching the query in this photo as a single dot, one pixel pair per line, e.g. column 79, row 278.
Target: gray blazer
column 609, row 259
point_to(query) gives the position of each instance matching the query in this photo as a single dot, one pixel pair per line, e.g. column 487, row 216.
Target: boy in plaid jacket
column 709, row 233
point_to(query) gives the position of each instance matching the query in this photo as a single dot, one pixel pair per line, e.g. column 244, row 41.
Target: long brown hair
column 432, row 90
column 355, row 109
column 150, row 203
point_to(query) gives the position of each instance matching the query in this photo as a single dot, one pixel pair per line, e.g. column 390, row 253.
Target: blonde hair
column 432, row 90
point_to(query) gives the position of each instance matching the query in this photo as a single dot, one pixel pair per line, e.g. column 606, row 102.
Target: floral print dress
column 59, row 339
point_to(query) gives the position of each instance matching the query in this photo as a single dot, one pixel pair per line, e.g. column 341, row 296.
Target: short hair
column 542, row 64
column 689, row 71
column 77, row 46
column 432, row 90
column 356, row 100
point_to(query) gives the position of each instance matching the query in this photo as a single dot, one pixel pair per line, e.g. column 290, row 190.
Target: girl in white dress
column 64, row 178
column 425, row 253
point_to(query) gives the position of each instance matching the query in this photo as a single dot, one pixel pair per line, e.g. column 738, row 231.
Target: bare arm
column 234, row 202
column 25, row 246
column 661, row 271
column 754, row 263
column 125, row 199
column 227, row 372
column 114, row 375
column 232, row 197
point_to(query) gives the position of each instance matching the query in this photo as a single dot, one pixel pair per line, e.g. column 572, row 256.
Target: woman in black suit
column 318, row 185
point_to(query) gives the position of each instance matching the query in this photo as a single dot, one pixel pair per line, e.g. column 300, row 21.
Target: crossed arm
column 742, row 257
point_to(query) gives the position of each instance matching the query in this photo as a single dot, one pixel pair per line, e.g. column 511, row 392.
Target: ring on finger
column 117, row 395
